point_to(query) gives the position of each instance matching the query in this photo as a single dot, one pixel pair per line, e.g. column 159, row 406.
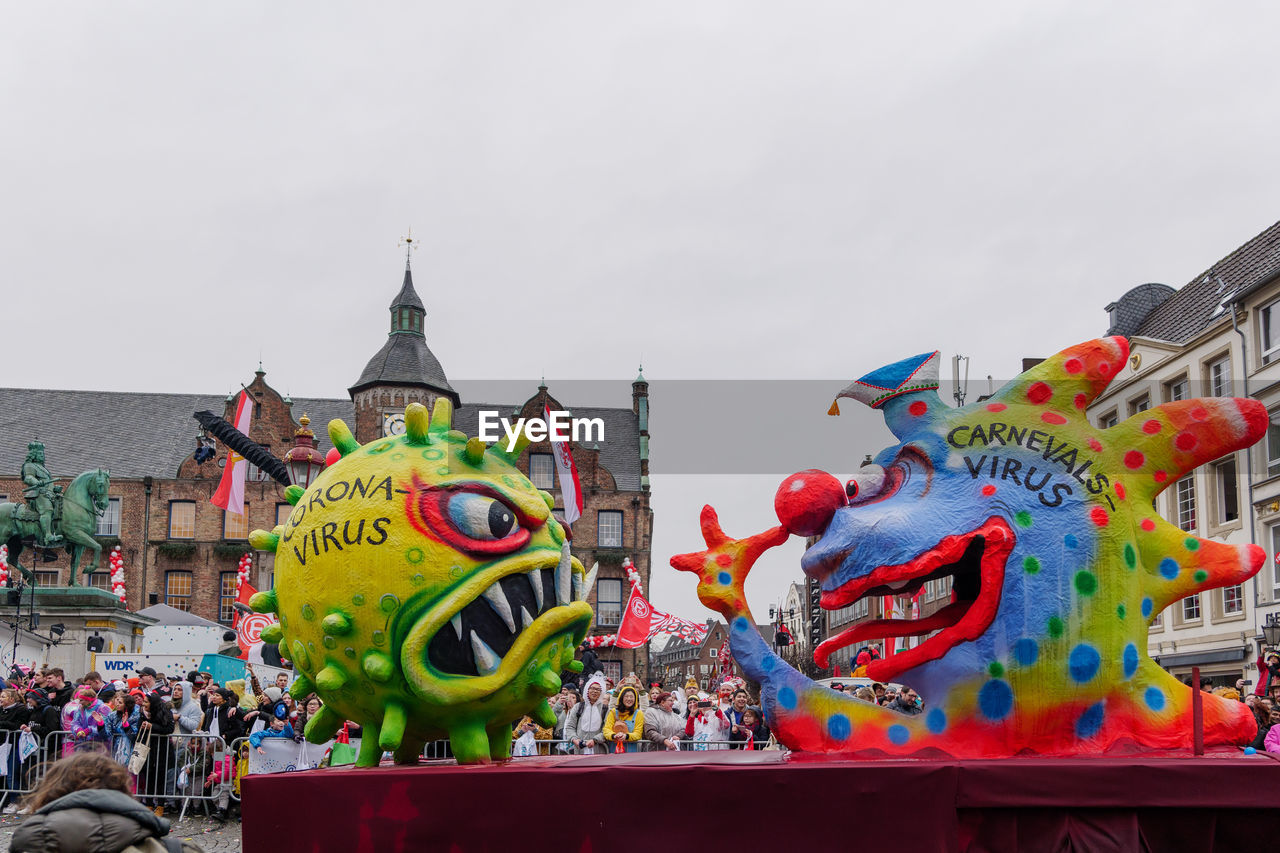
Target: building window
column 609, row 528
column 609, row 602
column 1219, row 371
column 1140, row 405
column 1270, row 332
column 1108, row 420
column 1224, row 473
column 1185, row 496
column 182, row 519
column 254, row 474
column 283, row 511
column 1232, row 600
column 1177, row 389
column 542, row 470
column 1158, row 622
column 47, row 578
column 177, row 590
column 1191, row 608
column 109, row 524
column 1275, row 565
column 1273, row 445
column 861, row 608
column 227, row 598
column 99, row 580
column 236, row 526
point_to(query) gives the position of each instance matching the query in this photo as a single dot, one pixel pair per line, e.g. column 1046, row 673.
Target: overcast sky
column 724, row 189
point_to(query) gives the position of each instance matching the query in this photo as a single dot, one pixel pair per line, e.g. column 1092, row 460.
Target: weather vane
column 409, row 244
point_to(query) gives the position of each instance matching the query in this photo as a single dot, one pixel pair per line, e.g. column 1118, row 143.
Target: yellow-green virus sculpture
column 424, row 590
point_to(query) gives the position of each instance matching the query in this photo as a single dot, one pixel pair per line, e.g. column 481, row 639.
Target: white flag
column 567, row 472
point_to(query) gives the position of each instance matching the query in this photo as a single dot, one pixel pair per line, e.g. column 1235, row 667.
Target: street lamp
column 303, row 460
column 1271, row 630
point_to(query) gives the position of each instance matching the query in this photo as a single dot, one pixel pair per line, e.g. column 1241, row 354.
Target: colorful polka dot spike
column 424, row 590
column 1058, row 565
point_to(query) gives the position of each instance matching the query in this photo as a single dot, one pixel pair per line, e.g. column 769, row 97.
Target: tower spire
column 410, row 245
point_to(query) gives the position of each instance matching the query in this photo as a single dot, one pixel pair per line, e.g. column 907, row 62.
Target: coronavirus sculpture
column 1058, row 564
column 424, row 590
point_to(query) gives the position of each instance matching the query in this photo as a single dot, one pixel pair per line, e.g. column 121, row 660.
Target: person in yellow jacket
column 625, row 721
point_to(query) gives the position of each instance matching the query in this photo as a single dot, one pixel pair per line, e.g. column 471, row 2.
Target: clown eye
column 481, row 517
column 867, row 483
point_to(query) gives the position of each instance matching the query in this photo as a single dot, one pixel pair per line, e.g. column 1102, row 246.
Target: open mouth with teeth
column 480, row 636
column 976, row 563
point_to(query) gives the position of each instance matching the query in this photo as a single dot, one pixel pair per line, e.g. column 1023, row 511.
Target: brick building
column 681, row 660
column 181, row 550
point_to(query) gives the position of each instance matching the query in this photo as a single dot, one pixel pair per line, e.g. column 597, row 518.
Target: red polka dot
column 1095, row 445
column 1199, row 414
column 1039, row 393
column 1134, row 459
column 724, row 559
column 738, row 604
column 1120, row 490
column 1081, row 401
column 1185, row 441
column 996, row 407
column 918, row 408
column 1099, row 516
column 1053, row 418
column 1148, row 525
column 1104, row 368
column 1072, row 365
column 988, row 490
column 1152, row 427
column 1161, row 476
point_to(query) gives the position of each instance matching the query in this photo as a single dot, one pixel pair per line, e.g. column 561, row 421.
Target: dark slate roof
column 137, row 435
column 407, row 297
column 405, row 359
column 1198, row 304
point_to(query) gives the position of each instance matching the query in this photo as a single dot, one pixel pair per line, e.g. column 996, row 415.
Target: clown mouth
column 478, row 636
column 975, row 561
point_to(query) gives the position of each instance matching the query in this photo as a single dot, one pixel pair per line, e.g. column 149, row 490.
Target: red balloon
column 332, row 457
column 806, row 500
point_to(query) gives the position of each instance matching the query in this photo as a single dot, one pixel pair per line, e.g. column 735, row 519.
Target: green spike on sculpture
column 376, row 564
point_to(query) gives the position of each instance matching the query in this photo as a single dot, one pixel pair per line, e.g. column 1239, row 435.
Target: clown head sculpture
column 1041, row 526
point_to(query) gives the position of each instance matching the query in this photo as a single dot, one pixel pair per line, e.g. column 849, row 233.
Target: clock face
column 393, row 423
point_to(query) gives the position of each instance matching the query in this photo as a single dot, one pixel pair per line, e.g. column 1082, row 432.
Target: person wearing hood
column 122, row 725
column 84, row 719
column 585, row 723
column 83, row 804
column 185, row 709
column 42, row 717
column 223, row 718
column 1268, row 672
column 663, row 727
column 261, row 717
column 13, row 716
column 624, row 724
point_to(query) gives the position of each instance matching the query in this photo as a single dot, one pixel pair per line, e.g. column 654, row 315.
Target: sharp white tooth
column 494, row 596
column 525, row 619
column 456, row 622
column 487, row 661
column 563, row 573
column 535, row 578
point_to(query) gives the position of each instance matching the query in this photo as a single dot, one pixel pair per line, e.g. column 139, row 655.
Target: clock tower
column 404, row 371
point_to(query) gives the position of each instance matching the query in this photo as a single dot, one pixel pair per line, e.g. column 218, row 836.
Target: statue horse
column 84, row 500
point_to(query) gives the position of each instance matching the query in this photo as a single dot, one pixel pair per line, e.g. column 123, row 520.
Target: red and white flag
column 641, row 623
column 230, row 493
column 567, row 472
column 248, row 625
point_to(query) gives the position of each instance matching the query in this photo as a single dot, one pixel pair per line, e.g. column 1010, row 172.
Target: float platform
column 731, row 800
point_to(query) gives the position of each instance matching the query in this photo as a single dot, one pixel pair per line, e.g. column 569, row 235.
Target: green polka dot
column 508, row 482
column 357, row 600
column 1055, row 626
column 414, row 555
column 397, row 455
column 308, row 612
column 349, row 652
column 443, row 472
column 381, row 448
column 388, row 603
column 433, row 453
column 1120, row 610
column 378, row 638
column 1023, row 519
column 996, row 669
column 1201, row 576
column 1086, row 583
column 1130, row 556
column 419, row 579
column 1192, row 543
column 1031, row 565
column 330, row 642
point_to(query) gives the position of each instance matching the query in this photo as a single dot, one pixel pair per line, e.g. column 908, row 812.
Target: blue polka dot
column 741, row 624
column 1169, row 568
column 1083, row 663
column 1070, row 540
column 898, row 734
column 768, row 663
column 995, row 699
column 1130, row 660
column 1025, row 651
column 1155, row 698
column 724, row 578
column 1090, row 721
column 787, row 698
column 936, row 721
column 1146, row 608
column 839, row 726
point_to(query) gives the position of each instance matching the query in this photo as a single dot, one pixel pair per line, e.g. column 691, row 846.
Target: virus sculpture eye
column 473, row 519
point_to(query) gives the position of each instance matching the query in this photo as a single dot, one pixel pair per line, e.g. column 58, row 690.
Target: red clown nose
column 806, row 501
